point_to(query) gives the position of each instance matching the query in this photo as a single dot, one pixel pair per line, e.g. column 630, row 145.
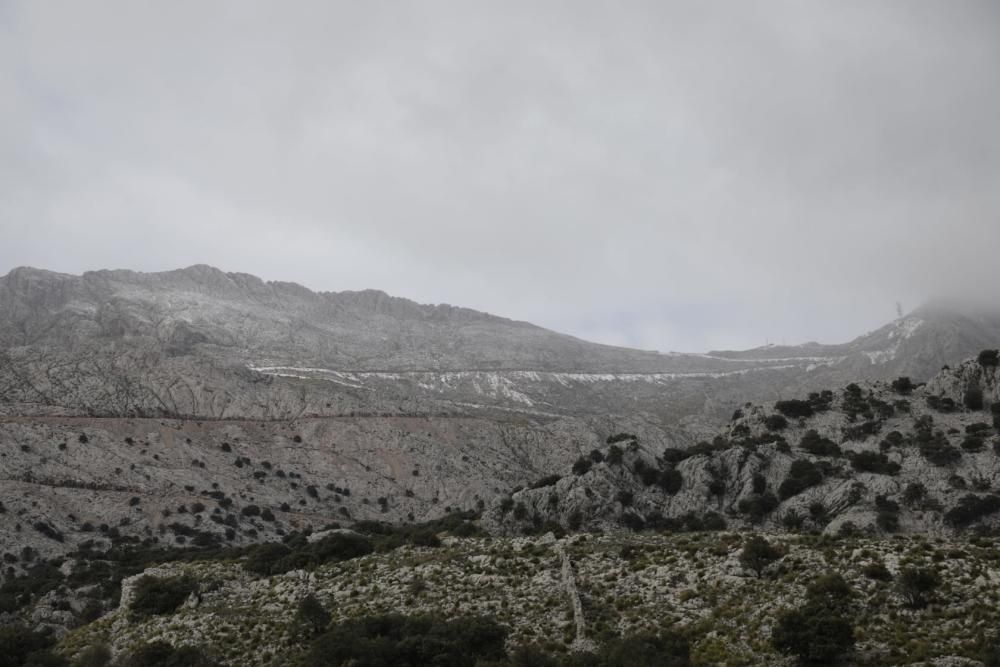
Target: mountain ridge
column 200, row 342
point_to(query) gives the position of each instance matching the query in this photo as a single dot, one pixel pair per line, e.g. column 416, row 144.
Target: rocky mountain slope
column 870, row 459
column 69, row 480
column 877, row 458
column 201, row 343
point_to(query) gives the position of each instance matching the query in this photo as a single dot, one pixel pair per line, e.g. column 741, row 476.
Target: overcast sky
column 665, row 175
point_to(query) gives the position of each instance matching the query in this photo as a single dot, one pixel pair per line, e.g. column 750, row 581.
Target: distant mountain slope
column 204, row 343
column 238, row 316
column 916, row 345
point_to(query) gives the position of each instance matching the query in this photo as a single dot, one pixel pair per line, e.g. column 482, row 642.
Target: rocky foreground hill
column 890, row 486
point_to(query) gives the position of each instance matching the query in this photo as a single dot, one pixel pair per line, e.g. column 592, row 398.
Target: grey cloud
column 666, row 175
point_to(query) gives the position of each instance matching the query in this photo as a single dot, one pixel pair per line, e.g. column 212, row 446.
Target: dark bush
column 582, row 466
column 816, row 445
column 902, row 385
column 162, row 654
column 973, row 397
column 757, row 507
column 794, row 408
column 775, row 422
column 48, row 531
column 674, row 456
column 615, row 455
column 266, row 558
column 874, row 462
column 632, row 521
column 989, row 358
column 156, row 596
column 973, row 444
column 941, row 403
column 670, row 480
column 939, row 451
column 758, row 553
column 95, row 655
column 548, row 480
column 21, row 646
column 914, row 493
column 802, row 475
column 916, row 585
column 415, row 640
column 862, row 431
column 877, row 571
column 311, row 617
column 713, row 521
column 666, row 649
column 814, row 633
column 270, row 558
column 971, row 508
column 891, row 440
